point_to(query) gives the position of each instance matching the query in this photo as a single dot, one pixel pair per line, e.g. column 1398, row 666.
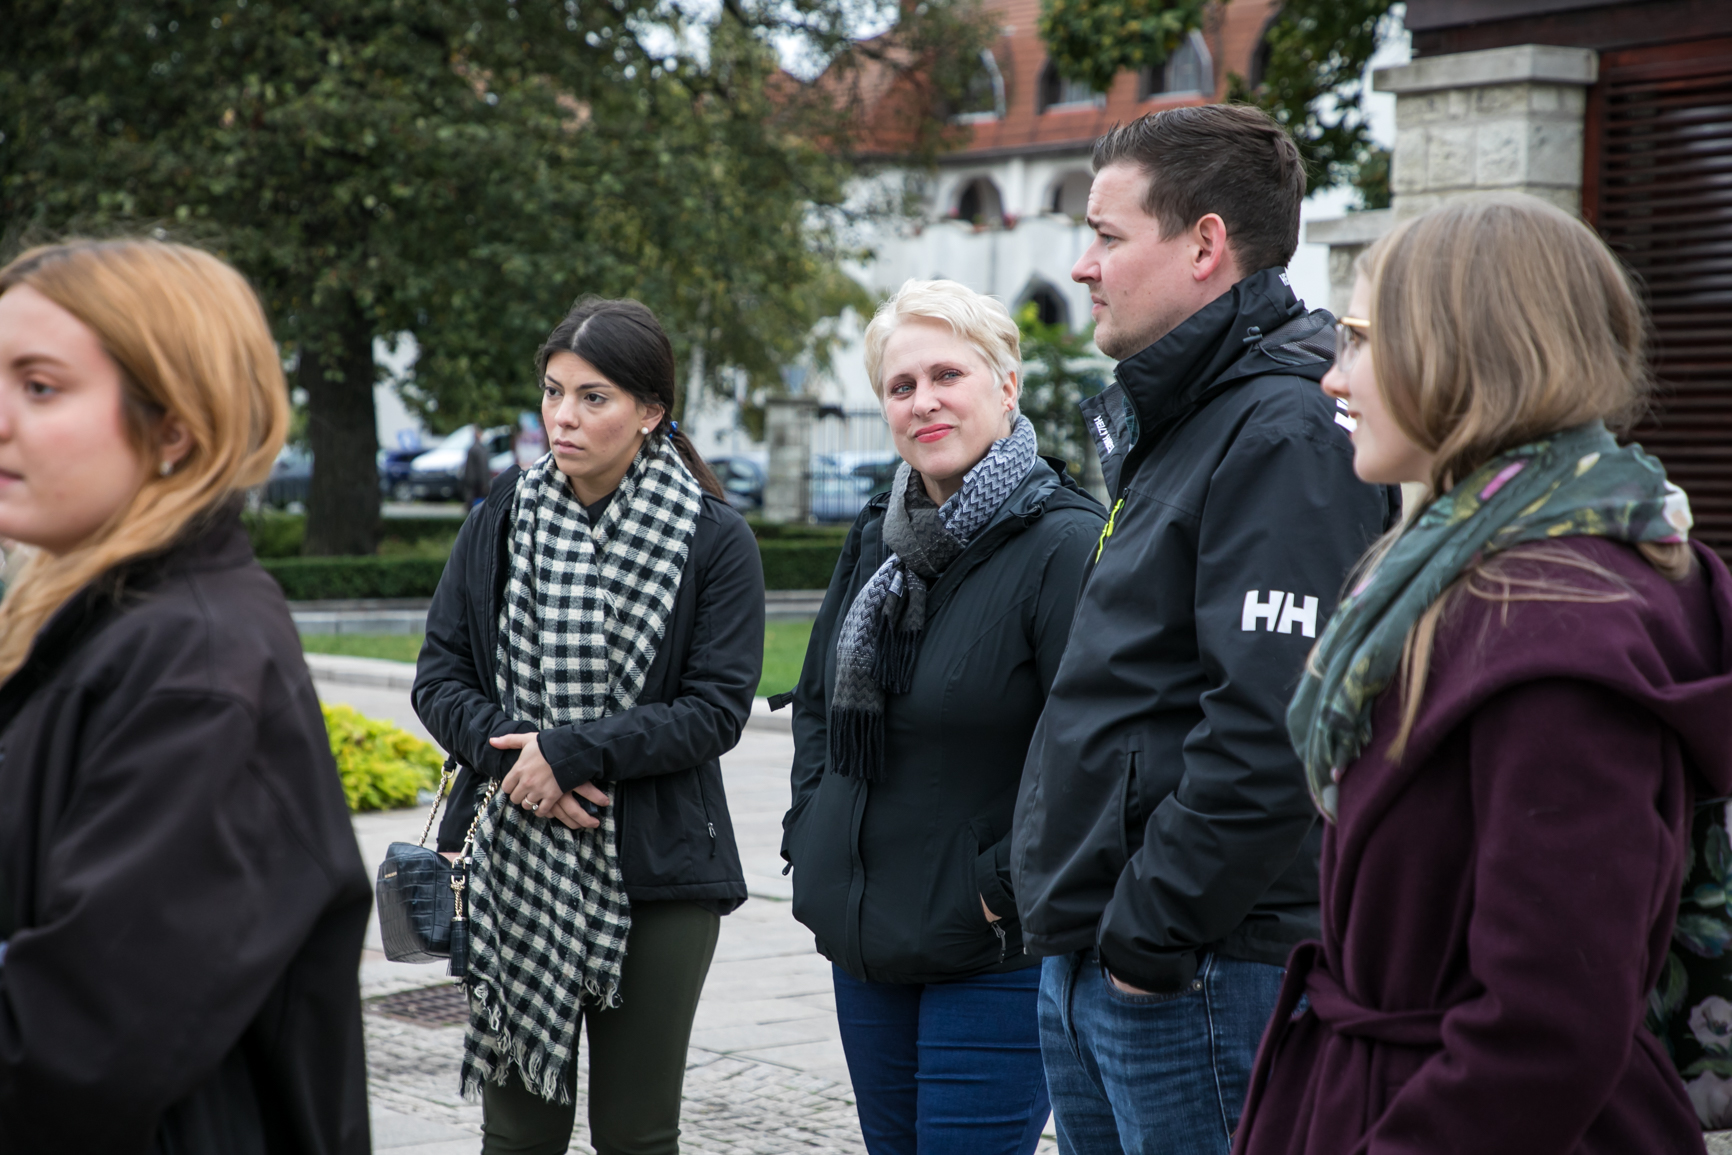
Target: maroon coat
column 1496, row 907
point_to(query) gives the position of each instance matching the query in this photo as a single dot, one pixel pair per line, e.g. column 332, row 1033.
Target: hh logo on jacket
column 1279, row 613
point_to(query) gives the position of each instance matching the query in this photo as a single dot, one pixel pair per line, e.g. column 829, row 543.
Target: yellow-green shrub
column 383, row 767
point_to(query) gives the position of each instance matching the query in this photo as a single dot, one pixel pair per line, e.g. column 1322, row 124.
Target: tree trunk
column 342, row 431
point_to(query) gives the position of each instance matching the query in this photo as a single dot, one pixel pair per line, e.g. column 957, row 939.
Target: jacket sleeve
column 171, row 898
column 448, row 695
column 719, row 679
column 1576, row 867
column 1284, row 520
column 1049, row 630
column 811, row 721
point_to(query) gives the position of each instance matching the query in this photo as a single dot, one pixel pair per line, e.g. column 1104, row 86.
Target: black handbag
column 420, row 894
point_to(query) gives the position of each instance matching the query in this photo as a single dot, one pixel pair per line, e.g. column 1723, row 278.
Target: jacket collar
column 214, row 541
column 1216, row 345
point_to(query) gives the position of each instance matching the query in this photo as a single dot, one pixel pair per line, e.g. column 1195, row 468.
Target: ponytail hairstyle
column 1495, row 321
column 192, row 343
column 627, row 345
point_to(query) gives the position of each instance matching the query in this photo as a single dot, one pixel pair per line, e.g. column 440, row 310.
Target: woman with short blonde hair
column 1503, row 723
column 928, row 667
column 181, row 897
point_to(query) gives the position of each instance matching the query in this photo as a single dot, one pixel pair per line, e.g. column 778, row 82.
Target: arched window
column 983, row 99
column 1049, row 304
column 979, row 203
column 1056, row 92
column 1188, row 69
column 1070, row 194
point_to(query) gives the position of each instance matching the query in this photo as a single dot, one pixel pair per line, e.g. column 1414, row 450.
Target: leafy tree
column 1313, row 84
column 1059, row 370
column 1095, row 40
column 1316, row 52
column 456, row 169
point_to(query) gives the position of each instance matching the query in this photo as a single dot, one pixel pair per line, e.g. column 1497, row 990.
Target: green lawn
column 396, row 647
column 784, row 650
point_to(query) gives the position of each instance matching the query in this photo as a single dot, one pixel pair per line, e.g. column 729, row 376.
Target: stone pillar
column 1346, row 237
column 1501, row 120
column 788, row 436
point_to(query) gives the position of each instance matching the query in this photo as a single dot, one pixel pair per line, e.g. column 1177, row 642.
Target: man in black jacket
column 1164, row 855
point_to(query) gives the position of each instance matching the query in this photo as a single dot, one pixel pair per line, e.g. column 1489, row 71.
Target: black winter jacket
column 181, row 895
column 889, row 875
column 660, row 760
column 1163, row 811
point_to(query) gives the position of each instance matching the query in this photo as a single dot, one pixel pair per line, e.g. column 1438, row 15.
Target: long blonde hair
column 192, row 343
column 1495, row 321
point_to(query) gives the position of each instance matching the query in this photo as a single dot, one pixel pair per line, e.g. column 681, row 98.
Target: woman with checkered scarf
column 592, row 650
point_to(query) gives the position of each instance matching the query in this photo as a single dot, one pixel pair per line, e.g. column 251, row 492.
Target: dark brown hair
column 628, row 346
column 1232, row 160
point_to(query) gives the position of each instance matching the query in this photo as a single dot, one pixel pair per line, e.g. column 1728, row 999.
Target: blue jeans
column 1141, row 1074
column 945, row 1068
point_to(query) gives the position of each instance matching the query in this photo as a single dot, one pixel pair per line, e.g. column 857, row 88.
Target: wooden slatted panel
column 1658, row 186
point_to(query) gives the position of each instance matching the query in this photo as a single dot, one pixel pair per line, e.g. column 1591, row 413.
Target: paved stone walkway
column 766, row 1074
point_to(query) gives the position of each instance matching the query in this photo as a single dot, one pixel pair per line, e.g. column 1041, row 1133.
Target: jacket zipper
column 999, row 931
column 704, row 801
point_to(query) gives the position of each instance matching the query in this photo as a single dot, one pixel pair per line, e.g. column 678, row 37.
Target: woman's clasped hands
column 532, row 786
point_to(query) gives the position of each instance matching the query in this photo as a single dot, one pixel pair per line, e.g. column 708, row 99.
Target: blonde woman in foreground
column 181, row 898
column 1503, row 724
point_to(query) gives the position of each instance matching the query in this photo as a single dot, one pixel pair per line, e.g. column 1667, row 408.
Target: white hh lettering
column 1306, row 617
column 1257, row 610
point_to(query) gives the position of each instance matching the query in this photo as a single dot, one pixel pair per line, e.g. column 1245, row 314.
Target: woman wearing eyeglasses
column 1504, row 722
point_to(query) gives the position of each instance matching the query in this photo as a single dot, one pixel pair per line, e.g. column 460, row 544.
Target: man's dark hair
column 1232, row 160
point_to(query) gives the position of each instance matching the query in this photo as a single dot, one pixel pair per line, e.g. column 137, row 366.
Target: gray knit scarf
column 880, row 637
column 585, row 610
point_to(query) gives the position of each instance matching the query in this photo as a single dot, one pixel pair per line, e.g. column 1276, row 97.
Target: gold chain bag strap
column 420, row 892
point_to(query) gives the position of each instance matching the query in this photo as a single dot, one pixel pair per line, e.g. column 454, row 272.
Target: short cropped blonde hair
column 980, row 320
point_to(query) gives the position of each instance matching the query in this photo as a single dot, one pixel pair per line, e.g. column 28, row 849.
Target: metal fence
column 853, row 457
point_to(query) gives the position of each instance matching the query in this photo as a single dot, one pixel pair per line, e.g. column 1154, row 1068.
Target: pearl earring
column 644, row 430
column 166, row 468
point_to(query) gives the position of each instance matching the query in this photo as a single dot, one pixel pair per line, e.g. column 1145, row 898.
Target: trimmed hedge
column 798, row 565
column 792, row 564
column 275, row 534
column 307, row 579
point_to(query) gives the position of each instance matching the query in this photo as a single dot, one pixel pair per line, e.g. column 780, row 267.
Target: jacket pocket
column 958, row 938
column 1131, row 813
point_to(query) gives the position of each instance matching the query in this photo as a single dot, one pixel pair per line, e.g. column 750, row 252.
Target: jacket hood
column 1257, row 327
column 1699, row 708
column 1667, row 648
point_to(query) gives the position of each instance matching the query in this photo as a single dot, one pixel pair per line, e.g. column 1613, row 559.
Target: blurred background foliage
column 1311, row 62
column 461, row 170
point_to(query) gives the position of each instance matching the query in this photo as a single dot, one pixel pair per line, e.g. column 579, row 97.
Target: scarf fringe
column 491, row 1052
column 893, row 663
column 857, row 743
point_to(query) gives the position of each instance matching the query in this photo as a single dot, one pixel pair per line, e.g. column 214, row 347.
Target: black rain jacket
column 659, row 761
column 889, row 875
column 180, row 891
column 1163, row 812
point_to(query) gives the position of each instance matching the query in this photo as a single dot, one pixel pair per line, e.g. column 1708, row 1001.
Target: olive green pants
column 637, row 1050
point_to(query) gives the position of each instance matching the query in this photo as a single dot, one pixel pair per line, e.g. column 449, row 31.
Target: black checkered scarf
column 585, row 610
column 880, row 637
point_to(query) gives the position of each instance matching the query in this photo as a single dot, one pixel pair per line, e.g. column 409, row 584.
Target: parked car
column 843, row 483
column 742, row 480
column 291, row 477
column 438, row 473
column 395, row 480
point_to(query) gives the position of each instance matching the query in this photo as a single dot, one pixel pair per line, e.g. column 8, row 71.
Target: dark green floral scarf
column 1577, row 482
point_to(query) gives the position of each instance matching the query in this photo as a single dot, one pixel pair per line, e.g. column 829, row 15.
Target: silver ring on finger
column 532, row 807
